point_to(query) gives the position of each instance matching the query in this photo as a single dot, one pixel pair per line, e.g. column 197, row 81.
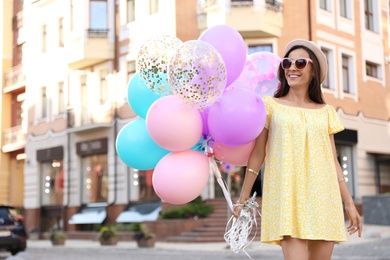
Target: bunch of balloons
column 195, row 100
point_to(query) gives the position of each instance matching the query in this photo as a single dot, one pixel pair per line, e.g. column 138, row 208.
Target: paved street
column 378, row 249
column 374, row 245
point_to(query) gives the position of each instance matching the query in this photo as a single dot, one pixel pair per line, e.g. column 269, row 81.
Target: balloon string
column 221, row 182
column 237, row 236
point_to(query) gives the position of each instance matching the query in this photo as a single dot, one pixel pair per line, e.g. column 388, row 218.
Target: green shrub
column 194, row 209
column 107, row 232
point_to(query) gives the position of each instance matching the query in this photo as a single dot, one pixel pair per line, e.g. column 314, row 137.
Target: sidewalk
column 370, row 233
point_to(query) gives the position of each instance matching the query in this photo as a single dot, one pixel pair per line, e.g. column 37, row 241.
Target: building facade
column 71, row 95
column 13, row 117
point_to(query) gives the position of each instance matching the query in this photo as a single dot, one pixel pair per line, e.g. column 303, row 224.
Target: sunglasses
column 300, row 63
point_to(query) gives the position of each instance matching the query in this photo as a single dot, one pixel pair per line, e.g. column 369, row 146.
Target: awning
column 90, row 214
column 145, row 211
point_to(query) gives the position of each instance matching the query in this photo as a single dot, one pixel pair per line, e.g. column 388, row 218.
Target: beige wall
column 6, row 10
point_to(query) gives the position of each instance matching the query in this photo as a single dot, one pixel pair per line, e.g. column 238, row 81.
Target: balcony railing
column 274, row 5
column 15, row 76
column 100, row 115
column 241, row 2
column 14, row 135
column 97, row 33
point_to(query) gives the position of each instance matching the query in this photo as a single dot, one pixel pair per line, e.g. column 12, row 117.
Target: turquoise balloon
column 139, row 96
column 136, row 148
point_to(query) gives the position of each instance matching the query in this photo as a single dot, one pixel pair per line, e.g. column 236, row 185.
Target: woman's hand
column 355, row 220
column 237, row 210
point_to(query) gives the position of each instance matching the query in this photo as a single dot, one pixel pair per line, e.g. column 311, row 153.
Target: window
column 369, row 15
column 43, row 102
column 52, row 183
column 44, row 38
column 84, row 99
column 345, row 8
column 326, row 82
column 372, row 69
column 346, row 74
column 103, row 86
column 17, row 109
column 325, row 5
column 98, row 17
column 95, row 178
column 61, row 98
column 18, row 54
column 258, row 48
column 345, row 158
column 141, row 185
column 61, row 32
column 153, row 5
column 130, row 11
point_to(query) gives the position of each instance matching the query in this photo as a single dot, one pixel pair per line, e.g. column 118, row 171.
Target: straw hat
column 315, row 49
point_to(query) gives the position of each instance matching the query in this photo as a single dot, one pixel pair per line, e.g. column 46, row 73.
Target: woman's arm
column 353, row 215
column 255, row 162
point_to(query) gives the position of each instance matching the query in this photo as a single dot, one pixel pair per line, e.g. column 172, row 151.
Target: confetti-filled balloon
column 197, row 74
column 259, row 74
column 152, row 62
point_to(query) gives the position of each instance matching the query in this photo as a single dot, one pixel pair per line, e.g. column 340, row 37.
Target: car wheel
column 14, row 251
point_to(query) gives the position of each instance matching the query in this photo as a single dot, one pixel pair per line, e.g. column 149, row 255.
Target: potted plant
column 57, row 238
column 144, row 237
column 108, row 235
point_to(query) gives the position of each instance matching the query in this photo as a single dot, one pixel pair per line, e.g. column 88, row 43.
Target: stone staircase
column 215, row 227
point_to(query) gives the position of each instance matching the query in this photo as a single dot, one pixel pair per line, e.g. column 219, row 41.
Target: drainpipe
column 309, row 18
column 65, row 206
column 115, row 71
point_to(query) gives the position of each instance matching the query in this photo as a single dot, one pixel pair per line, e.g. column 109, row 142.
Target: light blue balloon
column 136, row 148
column 139, row 96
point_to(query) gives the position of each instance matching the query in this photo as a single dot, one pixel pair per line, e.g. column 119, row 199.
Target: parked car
column 13, row 236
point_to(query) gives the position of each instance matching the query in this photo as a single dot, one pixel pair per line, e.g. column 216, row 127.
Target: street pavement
column 374, row 244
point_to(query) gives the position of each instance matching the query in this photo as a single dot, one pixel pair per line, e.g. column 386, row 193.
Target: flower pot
column 146, row 242
column 58, row 242
column 111, row 241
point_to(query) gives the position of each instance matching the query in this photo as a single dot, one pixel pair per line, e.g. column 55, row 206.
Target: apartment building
column 78, row 56
column 13, row 118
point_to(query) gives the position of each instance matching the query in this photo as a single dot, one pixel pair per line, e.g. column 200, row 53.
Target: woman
column 304, row 186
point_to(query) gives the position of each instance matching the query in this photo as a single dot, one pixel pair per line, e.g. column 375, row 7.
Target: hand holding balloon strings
column 239, row 229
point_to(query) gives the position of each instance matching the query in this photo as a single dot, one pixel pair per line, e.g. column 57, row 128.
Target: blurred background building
column 65, row 67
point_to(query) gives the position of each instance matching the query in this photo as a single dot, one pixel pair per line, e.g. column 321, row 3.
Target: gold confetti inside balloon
column 152, row 62
column 197, row 74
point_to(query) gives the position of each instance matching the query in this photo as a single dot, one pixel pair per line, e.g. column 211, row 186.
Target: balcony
column 251, row 18
column 15, row 79
column 100, row 116
column 93, row 48
column 14, row 139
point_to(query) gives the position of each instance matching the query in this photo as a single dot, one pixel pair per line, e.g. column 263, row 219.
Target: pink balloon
column 237, row 118
column 236, row 155
column 230, row 44
column 180, row 177
column 259, row 74
column 174, row 125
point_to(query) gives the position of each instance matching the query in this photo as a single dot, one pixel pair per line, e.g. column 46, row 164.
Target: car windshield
column 5, row 217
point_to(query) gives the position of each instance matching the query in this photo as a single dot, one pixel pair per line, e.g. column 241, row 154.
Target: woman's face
column 299, row 77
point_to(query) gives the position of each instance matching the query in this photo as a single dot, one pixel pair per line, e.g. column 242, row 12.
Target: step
column 215, row 225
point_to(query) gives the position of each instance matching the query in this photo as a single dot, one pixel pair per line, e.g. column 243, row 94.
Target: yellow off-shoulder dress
column 301, row 195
